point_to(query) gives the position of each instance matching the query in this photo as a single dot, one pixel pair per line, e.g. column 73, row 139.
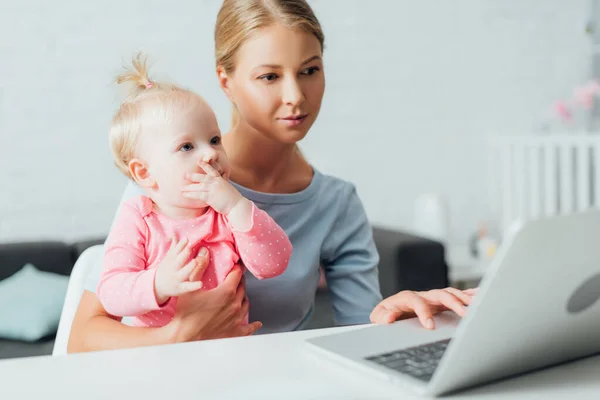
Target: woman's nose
column 292, row 92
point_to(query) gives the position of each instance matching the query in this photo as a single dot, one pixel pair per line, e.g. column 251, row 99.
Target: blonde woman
column 269, row 61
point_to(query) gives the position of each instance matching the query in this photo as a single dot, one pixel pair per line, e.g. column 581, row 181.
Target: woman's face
column 278, row 82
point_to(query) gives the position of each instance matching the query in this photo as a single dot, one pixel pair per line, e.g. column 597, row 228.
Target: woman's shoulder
column 333, row 187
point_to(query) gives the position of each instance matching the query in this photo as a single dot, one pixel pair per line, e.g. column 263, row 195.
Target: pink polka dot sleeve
column 126, row 287
column 265, row 249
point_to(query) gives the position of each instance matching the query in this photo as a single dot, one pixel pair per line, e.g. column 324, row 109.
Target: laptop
column 537, row 306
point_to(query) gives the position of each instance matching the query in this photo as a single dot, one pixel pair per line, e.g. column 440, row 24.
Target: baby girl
column 166, row 139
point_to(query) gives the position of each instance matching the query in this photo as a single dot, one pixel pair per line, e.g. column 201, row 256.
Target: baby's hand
column 212, row 189
column 173, row 274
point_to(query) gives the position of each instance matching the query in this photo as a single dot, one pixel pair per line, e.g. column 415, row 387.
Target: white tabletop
column 278, row 366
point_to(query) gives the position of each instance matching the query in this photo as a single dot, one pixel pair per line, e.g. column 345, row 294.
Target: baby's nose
column 209, row 156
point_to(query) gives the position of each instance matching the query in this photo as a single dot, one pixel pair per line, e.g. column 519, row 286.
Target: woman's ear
column 224, row 82
column 140, row 174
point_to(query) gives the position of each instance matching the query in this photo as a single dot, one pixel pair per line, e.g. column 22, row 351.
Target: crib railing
column 532, row 176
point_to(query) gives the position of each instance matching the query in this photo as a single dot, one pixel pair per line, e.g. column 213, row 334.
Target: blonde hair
column 148, row 102
column 239, row 19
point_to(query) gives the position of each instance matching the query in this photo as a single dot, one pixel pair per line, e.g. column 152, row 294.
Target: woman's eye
column 186, row 147
column 311, row 70
column 215, row 141
column 268, row 77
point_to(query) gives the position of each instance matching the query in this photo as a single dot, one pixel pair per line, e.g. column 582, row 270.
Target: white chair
column 84, row 264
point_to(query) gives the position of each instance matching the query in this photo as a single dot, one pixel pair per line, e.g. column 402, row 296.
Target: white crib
column 532, row 176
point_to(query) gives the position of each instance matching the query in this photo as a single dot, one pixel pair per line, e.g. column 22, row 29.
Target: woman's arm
column 94, row 329
column 350, row 260
column 200, row 315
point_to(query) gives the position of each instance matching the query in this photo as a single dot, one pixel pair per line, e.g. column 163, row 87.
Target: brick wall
column 412, row 88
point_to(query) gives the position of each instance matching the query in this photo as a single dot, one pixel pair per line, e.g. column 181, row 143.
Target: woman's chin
column 291, row 136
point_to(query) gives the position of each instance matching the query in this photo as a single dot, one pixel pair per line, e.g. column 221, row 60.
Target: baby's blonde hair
column 239, row 19
column 148, row 102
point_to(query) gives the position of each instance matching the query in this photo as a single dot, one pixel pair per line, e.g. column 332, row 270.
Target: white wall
column 412, row 88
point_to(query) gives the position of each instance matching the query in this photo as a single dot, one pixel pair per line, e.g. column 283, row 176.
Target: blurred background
column 453, row 119
column 414, row 89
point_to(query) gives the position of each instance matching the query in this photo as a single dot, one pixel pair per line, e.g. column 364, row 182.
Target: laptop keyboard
column 419, row 361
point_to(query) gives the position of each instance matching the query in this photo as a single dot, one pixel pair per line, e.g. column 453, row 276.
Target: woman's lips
column 294, row 120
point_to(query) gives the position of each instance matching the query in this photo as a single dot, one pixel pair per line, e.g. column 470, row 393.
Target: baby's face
column 174, row 149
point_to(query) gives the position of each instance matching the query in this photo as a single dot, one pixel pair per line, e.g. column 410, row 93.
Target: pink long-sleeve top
column 141, row 237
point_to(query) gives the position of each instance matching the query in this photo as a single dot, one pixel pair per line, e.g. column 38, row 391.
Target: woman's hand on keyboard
column 424, row 305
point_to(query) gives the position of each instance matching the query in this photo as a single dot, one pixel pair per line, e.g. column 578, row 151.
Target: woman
column 269, row 64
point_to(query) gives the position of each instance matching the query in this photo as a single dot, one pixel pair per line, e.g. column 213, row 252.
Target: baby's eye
column 186, row 147
column 215, row 140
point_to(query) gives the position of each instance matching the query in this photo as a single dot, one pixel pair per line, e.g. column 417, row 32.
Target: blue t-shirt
column 327, row 226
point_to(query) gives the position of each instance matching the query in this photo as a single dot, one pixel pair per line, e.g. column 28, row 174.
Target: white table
column 280, row 366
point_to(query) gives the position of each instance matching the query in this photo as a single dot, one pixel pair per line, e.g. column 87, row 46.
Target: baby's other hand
column 174, row 272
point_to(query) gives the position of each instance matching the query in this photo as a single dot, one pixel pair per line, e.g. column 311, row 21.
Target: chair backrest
column 90, row 257
column 534, row 176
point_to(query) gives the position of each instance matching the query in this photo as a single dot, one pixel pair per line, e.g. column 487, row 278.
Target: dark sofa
column 407, row 262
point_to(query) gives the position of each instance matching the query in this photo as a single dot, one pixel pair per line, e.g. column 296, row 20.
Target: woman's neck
column 265, row 165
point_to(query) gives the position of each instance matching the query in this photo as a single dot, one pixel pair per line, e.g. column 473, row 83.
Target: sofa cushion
column 32, row 302
column 46, row 256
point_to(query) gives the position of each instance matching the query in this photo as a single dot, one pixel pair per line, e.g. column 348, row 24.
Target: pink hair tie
column 148, row 85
